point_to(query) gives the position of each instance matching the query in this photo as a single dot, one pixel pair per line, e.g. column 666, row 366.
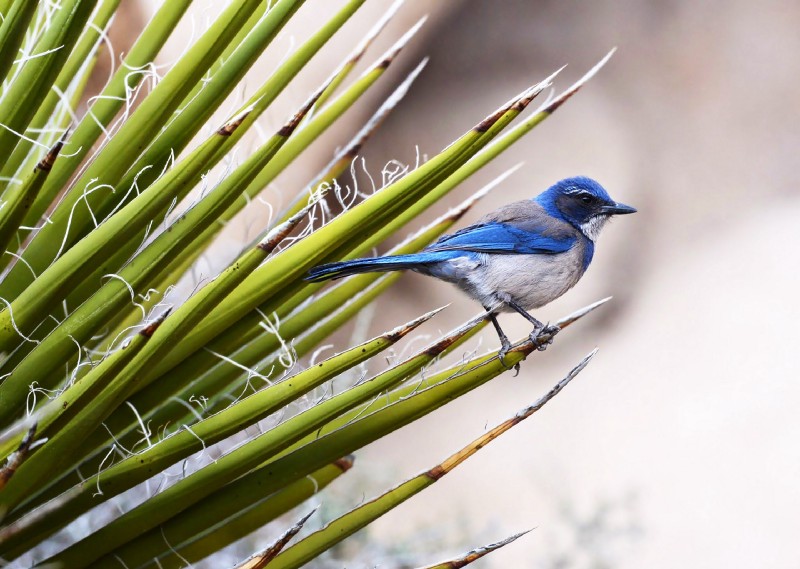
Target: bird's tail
column 368, row 265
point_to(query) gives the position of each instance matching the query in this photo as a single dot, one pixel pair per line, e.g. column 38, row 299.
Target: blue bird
column 517, row 258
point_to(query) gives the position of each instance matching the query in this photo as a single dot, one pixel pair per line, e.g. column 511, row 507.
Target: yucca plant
column 101, row 372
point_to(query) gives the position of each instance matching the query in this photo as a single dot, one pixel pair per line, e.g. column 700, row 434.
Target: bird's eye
column 586, row 199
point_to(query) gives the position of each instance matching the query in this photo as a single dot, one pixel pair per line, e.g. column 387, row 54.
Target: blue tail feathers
column 368, row 265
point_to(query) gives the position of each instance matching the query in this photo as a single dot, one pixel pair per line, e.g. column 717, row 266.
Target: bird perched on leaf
column 517, row 258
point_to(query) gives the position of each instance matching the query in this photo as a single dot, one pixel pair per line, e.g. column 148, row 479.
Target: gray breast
column 530, row 280
column 533, row 280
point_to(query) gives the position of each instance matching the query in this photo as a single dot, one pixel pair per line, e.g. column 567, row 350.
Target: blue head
column 581, row 202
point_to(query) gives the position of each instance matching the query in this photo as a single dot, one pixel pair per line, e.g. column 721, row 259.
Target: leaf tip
column 404, row 329
column 581, row 312
column 151, row 328
column 46, row 163
column 230, row 127
column 345, row 463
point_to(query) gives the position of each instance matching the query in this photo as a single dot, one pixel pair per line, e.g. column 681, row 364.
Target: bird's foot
column 505, row 347
column 543, row 337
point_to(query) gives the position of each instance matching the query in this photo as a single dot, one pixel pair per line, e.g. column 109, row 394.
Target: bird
column 517, row 258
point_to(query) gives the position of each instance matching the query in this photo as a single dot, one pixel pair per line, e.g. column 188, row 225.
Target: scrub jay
column 517, row 258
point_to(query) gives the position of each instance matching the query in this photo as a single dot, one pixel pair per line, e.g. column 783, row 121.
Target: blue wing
column 502, row 238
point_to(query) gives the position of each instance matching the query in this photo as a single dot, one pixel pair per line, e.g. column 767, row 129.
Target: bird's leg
column 542, row 334
column 505, row 343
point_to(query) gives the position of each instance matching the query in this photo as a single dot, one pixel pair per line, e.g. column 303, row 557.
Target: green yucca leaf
column 91, row 411
column 491, row 152
column 141, row 466
column 338, row 530
column 283, row 158
column 52, row 352
column 111, row 99
column 185, row 258
column 16, row 17
column 341, row 528
column 513, row 135
column 217, row 387
column 475, row 554
column 39, row 467
column 18, row 198
column 239, row 461
column 326, row 116
column 64, row 406
column 75, row 215
column 30, row 87
column 149, row 403
column 53, row 284
column 154, row 396
column 81, row 57
column 433, row 380
column 127, row 223
column 199, row 107
column 352, row 432
column 230, row 519
column 337, row 166
column 249, row 327
column 309, row 326
column 344, row 70
column 242, row 525
column 50, row 139
column 45, row 292
column 5, row 6
column 19, row 488
column 73, row 218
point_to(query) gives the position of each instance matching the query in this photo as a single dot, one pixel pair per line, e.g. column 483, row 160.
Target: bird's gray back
column 530, row 216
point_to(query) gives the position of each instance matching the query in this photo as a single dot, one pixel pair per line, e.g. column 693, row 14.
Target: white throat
column 591, row 228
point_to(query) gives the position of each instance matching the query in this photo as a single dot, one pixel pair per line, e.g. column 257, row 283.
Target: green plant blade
column 229, row 516
column 248, row 328
column 30, row 87
column 341, row 528
column 407, row 391
column 294, row 147
column 15, row 491
column 178, row 134
column 75, row 215
column 310, row 326
column 211, row 478
column 80, row 57
column 139, row 467
column 54, row 351
column 328, row 115
column 111, row 99
column 90, row 411
column 17, row 199
column 21, row 316
column 344, row 70
column 12, row 32
column 157, row 201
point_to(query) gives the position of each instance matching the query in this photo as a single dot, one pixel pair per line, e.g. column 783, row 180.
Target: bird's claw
column 505, row 347
column 543, row 337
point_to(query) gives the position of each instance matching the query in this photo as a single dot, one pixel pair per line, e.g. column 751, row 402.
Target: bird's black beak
column 617, row 209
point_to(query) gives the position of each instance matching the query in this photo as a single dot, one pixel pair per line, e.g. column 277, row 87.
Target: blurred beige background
column 680, row 443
